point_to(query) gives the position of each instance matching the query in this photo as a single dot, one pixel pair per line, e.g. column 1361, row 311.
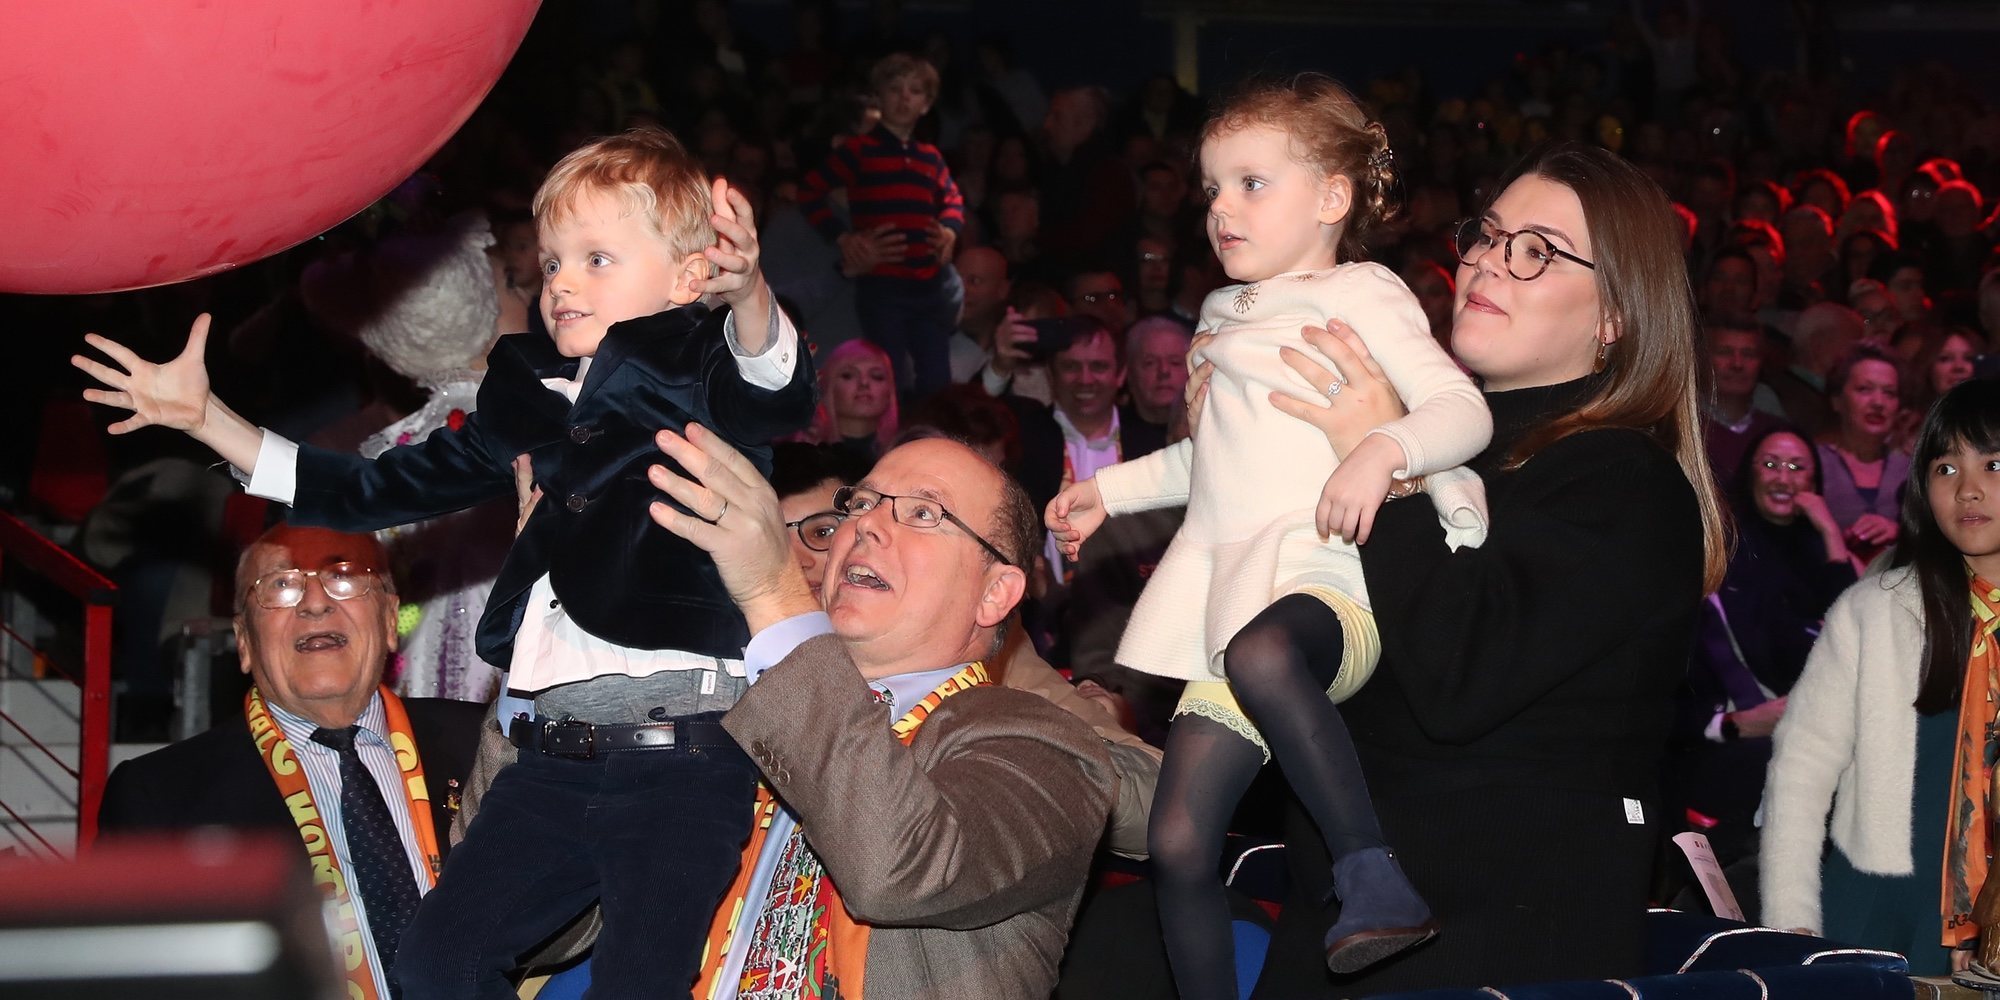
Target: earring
column 1602, row 348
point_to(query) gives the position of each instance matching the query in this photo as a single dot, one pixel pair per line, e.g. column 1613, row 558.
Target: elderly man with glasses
column 322, row 751
column 929, row 833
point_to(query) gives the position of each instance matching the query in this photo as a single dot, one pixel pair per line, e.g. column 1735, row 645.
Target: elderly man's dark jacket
column 620, row 576
column 218, row 779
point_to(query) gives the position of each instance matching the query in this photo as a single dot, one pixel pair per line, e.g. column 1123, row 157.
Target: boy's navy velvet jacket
column 620, row 576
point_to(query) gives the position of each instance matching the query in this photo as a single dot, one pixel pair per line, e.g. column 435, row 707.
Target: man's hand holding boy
column 737, row 521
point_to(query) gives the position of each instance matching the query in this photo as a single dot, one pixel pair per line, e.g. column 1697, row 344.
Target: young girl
column 1891, row 724
column 1250, row 602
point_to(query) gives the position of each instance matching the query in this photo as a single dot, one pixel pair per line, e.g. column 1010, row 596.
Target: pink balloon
column 152, row 141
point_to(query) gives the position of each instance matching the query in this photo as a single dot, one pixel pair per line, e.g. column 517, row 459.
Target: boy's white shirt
column 549, row 648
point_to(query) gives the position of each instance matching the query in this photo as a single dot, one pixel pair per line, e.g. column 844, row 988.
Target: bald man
column 983, row 271
column 940, row 826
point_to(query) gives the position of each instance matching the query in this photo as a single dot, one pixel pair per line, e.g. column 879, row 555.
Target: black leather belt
column 583, row 740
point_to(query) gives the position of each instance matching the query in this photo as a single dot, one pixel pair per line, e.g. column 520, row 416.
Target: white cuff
column 276, row 477
column 1714, row 730
column 772, row 368
column 1404, row 442
column 993, row 382
column 779, row 639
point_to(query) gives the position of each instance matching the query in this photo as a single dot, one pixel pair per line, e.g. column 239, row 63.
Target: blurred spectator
column 966, row 413
column 1156, row 350
column 1988, row 307
column 857, row 400
column 983, row 271
column 1862, row 473
column 1903, row 275
column 1944, row 358
column 1735, row 420
column 1822, row 189
column 1087, row 193
column 1959, row 247
column 1880, row 321
column 1869, row 210
column 1101, row 296
column 1153, row 275
column 1762, row 201
column 1809, row 259
column 1788, row 566
column 1822, row 336
column 1730, row 289
column 1017, row 89
column 1858, row 252
column 1010, row 370
column 1164, row 212
column 1766, row 248
column 1017, row 230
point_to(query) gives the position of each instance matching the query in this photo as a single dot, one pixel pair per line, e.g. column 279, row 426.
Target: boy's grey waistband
column 617, row 698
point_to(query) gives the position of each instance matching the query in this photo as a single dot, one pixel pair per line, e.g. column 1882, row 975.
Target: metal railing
column 23, row 550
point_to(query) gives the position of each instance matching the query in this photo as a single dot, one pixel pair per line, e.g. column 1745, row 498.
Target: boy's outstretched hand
column 737, row 280
column 173, row 395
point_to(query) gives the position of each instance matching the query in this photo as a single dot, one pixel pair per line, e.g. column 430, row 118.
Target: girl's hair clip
column 1382, row 158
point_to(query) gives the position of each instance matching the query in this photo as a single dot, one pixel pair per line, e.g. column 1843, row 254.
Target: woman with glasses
column 1514, row 732
column 1789, row 564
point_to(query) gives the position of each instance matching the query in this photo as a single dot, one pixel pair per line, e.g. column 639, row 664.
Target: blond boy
column 626, row 792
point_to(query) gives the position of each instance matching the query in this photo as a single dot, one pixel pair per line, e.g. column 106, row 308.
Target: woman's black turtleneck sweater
column 1551, row 653
column 1512, row 734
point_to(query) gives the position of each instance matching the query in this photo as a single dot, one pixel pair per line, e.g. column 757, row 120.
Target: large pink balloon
column 149, row 141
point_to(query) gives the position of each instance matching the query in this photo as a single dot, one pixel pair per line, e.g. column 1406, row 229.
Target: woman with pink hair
column 857, row 399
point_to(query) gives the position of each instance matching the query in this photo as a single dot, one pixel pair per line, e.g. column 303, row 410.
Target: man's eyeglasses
column 1528, row 253
column 342, row 581
column 816, row 531
column 916, row 512
column 1093, row 298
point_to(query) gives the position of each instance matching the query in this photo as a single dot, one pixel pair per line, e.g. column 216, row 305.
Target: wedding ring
column 1333, row 388
column 719, row 513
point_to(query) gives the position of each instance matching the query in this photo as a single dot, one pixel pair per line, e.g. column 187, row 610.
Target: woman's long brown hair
column 1654, row 372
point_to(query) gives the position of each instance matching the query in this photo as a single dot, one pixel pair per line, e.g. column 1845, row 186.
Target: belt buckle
column 562, row 731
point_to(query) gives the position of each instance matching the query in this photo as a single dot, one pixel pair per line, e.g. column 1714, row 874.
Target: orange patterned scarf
column 276, row 752
column 1968, row 847
column 830, row 960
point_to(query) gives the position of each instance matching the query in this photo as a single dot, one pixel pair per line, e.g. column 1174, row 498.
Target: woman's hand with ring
column 1357, row 397
column 1196, row 393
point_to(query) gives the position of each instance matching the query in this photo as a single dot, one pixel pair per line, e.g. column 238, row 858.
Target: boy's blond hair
column 895, row 66
column 650, row 171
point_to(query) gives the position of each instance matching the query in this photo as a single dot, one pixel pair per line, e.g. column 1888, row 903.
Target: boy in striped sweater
column 899, row 186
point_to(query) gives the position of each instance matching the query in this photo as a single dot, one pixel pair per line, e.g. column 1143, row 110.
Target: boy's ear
column 693, row 267
column 1337, row 200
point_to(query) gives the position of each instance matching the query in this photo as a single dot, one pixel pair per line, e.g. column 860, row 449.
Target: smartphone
column 1055, row 334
